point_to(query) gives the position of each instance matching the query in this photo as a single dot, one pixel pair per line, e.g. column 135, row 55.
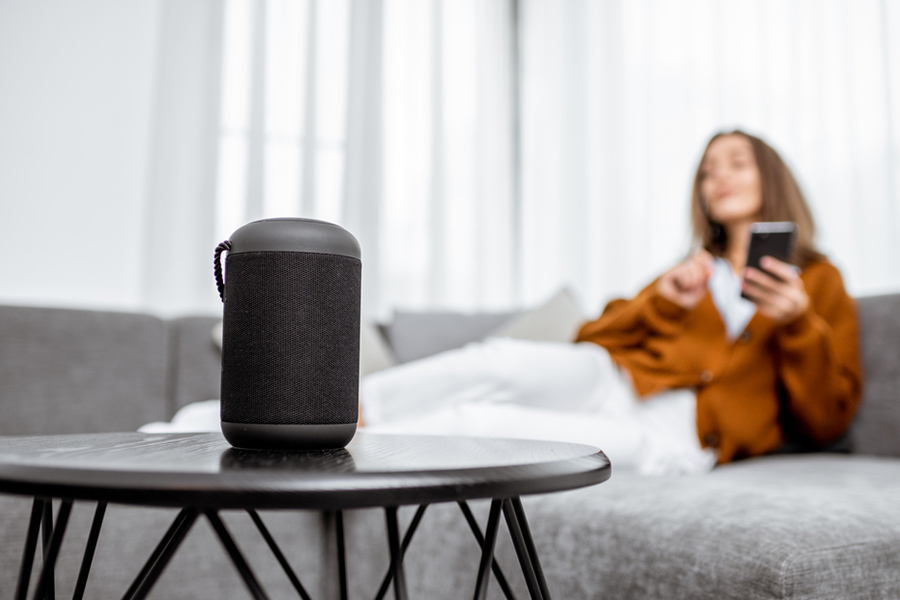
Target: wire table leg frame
column 42, row 523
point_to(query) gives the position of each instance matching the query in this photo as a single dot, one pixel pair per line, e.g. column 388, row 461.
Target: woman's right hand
column 685, row 283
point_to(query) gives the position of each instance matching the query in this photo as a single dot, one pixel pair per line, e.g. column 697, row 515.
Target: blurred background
column 486, row 153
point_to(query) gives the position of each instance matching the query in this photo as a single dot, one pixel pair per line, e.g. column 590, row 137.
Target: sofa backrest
column 77, row 371
column 196, row 360
column 73, row 371
column 876, row 429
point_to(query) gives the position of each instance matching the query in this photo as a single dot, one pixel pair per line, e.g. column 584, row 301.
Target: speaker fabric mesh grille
column 291, row 338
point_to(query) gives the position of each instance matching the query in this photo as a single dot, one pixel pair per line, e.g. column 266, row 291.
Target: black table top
column 202, row 470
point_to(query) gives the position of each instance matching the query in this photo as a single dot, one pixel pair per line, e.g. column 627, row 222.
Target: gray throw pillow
column 415, row 335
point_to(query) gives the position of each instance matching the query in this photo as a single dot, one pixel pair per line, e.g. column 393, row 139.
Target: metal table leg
column 45, row 586
column 240, row 563
column 400, row 592
column 341, row 553
column 407, row 538
column 527, row 556
column 34, row 526
column 89, row 550
column 279, row 555
column 487, row 551
column 41, row 522
column 154, row 566
column 476, row 531
column 47, row 531
column 529, row 545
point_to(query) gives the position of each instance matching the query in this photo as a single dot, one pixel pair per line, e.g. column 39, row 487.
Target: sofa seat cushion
column 801, row 526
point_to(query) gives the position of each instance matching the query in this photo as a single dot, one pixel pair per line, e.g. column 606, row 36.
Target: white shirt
column 725, row 287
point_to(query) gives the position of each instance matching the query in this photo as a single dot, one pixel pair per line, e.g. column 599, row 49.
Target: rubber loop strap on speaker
column 217, row 267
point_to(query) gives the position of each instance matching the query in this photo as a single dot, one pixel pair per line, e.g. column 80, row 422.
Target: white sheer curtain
column 488, row 152
column 283, row 120
column 390, row 117
column 448, row 212
column 619, row 99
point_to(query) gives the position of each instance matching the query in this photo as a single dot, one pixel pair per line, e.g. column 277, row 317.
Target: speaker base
column 257, row 436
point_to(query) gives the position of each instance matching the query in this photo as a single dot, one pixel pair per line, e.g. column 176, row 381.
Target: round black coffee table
column 202, row 474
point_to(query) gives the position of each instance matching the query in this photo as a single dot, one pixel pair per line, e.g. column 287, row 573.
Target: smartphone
column 775, row 239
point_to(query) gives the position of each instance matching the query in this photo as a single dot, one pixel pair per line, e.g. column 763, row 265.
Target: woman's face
column 729, row 182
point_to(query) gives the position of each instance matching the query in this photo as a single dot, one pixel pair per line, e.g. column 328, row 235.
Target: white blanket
column 539, row 390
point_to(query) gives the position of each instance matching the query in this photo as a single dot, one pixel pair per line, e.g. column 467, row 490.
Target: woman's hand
column 685, row 283
column 783, row 297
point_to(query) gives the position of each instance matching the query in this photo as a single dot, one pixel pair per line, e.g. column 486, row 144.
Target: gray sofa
column 823, row 525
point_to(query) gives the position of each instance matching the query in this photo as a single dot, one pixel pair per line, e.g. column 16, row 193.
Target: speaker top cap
column 294, row 235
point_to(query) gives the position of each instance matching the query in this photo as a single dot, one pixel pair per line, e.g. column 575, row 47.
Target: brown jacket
column 801, row 379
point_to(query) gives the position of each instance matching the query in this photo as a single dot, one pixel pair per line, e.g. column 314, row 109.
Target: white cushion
column 374, row 354
column 557, row 320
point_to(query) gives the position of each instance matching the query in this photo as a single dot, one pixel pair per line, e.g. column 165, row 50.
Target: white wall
column 76, row 100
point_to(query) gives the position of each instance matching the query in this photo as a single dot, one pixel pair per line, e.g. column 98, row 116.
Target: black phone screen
column 774, row 239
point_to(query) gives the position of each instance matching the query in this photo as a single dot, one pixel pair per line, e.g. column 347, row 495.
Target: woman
column 685, row 374
column 789, row 366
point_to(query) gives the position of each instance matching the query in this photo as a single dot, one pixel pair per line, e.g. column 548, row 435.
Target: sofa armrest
column 876, row 429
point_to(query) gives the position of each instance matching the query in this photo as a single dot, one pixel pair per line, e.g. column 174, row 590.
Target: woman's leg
column 498, row 371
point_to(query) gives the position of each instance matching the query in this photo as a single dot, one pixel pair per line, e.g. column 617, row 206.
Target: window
column 282, row 138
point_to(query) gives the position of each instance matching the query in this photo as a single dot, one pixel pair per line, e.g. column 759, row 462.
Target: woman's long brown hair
column 782, row 200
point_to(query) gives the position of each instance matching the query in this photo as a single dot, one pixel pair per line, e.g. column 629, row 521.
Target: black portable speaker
column 290, row 335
